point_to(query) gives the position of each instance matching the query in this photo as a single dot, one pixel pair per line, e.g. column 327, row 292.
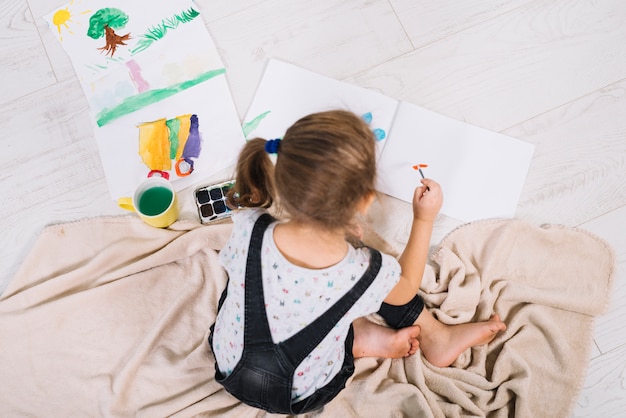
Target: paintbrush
column 419, row 167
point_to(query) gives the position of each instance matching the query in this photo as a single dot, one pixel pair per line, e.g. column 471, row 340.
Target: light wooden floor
column 551, row 72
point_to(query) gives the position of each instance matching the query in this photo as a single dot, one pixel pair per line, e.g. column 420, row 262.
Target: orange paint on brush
column 418, row 168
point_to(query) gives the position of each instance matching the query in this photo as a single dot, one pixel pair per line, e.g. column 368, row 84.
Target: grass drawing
column 250, row 126
column 157, row 32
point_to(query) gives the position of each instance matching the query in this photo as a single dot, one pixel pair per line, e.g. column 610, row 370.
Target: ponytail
column 325, row 167
column 254, row 185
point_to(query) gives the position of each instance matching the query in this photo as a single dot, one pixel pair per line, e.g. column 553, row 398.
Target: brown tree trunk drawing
column 113, row 40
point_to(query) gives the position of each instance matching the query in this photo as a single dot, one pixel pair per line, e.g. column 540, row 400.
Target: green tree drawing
column 104, row 23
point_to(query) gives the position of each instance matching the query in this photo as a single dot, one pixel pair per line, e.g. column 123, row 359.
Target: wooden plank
column 428, row 21
column 610, row 330
column 215, row 10
column 334, row 38
column 579, row 165
column 603, row 393
column 24, row 67
column 50, row 143
column 513, row 67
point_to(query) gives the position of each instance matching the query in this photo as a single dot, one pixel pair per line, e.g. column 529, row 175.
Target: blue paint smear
column 380, row 134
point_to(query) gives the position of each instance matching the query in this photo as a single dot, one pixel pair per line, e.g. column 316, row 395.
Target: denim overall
column 263, row 378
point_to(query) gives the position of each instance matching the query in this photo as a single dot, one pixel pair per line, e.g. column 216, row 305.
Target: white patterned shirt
column 294, row 297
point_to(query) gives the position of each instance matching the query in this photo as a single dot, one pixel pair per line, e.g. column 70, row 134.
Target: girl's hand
column 427, row 200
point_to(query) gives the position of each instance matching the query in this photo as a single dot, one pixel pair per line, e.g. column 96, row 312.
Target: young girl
column 291, row 320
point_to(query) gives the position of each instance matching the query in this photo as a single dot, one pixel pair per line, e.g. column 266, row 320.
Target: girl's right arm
column 427, row 201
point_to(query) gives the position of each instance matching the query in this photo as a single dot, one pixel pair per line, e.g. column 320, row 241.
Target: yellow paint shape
column 61, row 18
column 183, row 133
column 154, row 145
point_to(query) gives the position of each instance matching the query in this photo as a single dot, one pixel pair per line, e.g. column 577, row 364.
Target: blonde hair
column 325, row 166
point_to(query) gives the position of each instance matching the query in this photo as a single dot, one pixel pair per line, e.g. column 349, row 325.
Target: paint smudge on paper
column 154, row 145
column 104, row 23
column 149, row 97
column 191, row 150
column 254, row 123
column 173, row 127
column 193, row 145
column 158, row 31
column 183, row 131
column 379, row 133
column 135, row 74
column 164, row 140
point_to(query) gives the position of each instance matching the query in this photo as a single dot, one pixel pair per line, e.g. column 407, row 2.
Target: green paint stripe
column 248, row 127
column 141, row 100
column 174, row 127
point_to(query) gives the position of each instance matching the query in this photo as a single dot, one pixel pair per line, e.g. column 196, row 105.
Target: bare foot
column 373, row 340
column 442, row 344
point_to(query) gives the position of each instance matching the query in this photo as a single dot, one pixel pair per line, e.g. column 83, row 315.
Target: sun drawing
column 62, row 16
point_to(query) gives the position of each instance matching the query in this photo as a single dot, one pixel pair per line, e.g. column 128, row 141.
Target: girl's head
column 325, row 168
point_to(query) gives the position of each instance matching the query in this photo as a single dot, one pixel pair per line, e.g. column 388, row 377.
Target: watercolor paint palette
column 211, row 201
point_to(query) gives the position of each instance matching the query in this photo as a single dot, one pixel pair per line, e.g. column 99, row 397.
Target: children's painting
column 287, row 93
column 156, row 87
column 174, row 141
column 129, row 55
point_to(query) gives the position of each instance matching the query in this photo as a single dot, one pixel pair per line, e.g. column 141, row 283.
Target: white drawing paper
column 480, row 172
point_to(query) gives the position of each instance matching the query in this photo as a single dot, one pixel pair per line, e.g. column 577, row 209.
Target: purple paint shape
column 194, row 141
column 135, row 75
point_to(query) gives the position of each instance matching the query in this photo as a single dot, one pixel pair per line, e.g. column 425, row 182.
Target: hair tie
column 272, row 146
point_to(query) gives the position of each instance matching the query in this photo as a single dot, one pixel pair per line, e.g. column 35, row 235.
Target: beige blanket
column 109, row 317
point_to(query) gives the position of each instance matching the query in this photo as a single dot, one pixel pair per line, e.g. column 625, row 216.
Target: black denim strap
column 256, row 328
column 298, row 346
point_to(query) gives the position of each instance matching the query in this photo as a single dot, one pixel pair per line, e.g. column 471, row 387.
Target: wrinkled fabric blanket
column 110, row 317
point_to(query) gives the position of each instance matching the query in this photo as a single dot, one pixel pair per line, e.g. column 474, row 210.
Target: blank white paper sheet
column 481, row 172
